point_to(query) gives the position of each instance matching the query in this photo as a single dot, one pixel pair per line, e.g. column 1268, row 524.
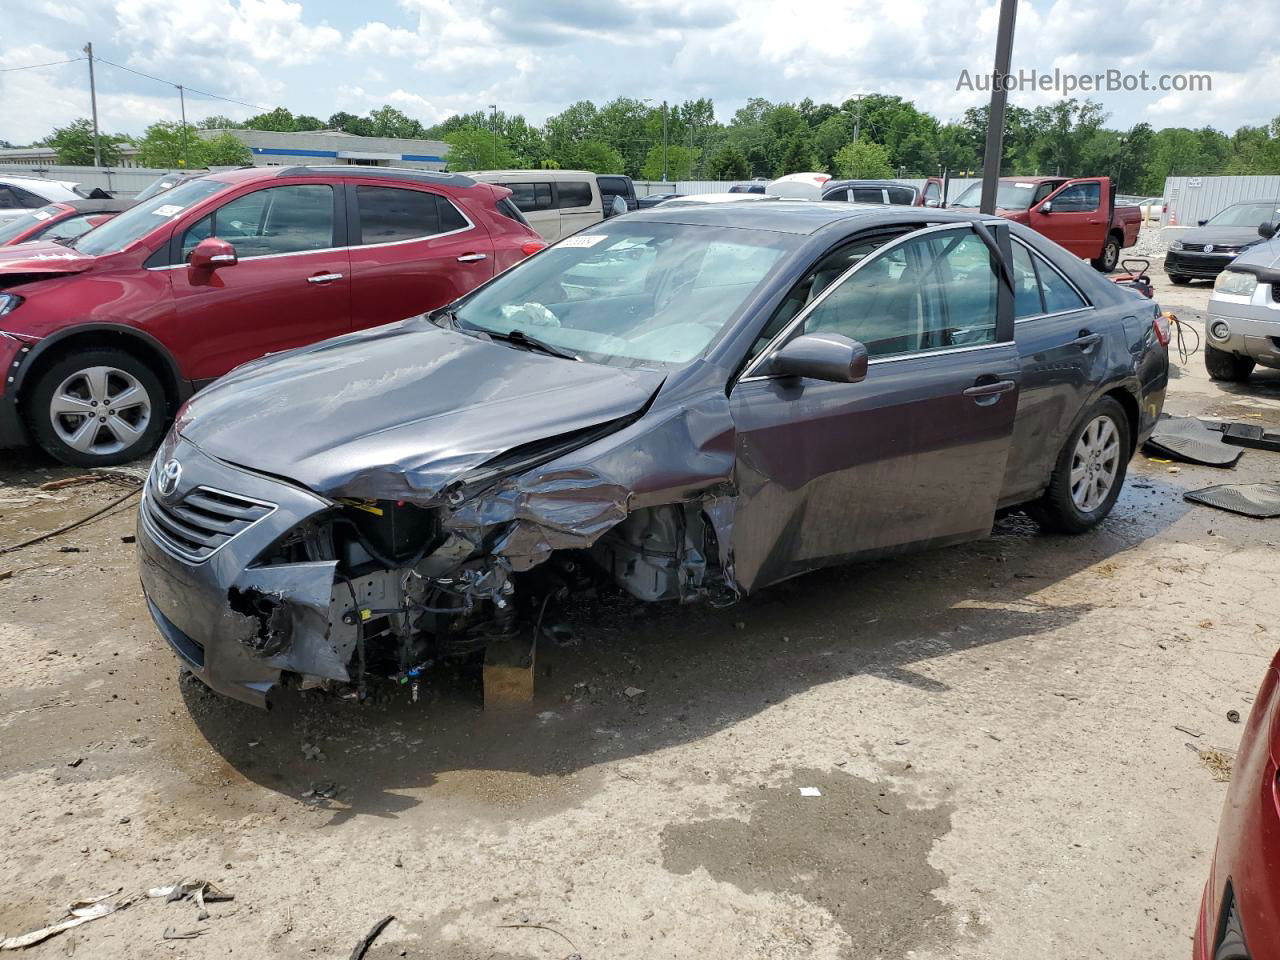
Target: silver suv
column 1244, row 312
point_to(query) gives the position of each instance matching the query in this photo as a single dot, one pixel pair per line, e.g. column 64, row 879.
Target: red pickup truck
column 1079, row 214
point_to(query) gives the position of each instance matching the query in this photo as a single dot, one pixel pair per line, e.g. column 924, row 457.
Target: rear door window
column 531, row 196
column 391, row 214
column 901, row 195
column 1059, row 296
column 574, row 193
column 1026, row 286
column 867, row 195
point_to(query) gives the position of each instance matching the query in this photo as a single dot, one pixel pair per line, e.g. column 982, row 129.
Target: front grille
column 1194, row 247
column 202, row 522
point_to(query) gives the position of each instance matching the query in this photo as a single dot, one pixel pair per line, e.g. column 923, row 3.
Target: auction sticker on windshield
column 588, row 241
column 168, row 210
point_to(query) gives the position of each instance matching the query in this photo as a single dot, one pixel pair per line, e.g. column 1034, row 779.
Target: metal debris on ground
column 632, row 692
column 80, row 911
column 1188, row 731
column 201, row 891
column 541, row 926
column 1233, row 716
column 321, row 790
column 361, row 948
column 171, row 933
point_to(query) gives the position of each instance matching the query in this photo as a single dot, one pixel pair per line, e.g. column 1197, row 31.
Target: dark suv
column 104, row 337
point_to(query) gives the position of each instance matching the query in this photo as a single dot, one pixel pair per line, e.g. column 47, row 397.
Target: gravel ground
column 999, row 734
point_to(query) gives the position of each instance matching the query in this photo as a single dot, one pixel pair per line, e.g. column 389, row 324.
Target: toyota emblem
column 167, row 480
column 1208, row 248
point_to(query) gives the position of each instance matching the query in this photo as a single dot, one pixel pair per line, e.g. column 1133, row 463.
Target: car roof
column 801, row 217
column 400, row 174
column 867, row 183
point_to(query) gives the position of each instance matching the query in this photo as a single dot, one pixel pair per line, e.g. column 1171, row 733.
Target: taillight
column 1161, row 326
column 533, row 246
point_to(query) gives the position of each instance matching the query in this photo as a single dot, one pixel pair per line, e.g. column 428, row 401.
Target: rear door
column 579, row 203
column 290, row 287
column 1077, row 219
column 912, row 455
column 1060, row 340
column 412, row 250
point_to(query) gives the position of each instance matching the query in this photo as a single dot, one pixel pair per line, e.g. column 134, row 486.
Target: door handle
column 992, row 389
column 1087, row 341
column 472, row 257
column 324, row 278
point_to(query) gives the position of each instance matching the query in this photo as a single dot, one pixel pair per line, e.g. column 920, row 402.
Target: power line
column 171, row 83
column 32, row 66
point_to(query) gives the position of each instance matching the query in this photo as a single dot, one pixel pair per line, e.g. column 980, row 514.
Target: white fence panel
column 122, row 182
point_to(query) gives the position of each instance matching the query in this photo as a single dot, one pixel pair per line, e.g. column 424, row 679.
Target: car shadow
column 637, row 678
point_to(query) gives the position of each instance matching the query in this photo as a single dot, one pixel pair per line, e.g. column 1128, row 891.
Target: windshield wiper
column 520, row 338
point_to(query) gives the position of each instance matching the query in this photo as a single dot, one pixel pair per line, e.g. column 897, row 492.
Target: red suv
column 102, row 339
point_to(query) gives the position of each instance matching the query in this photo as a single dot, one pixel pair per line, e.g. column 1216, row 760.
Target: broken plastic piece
column 81, row 911
column 810, row 792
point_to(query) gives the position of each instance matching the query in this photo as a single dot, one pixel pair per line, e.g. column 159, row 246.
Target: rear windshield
column 138, row 221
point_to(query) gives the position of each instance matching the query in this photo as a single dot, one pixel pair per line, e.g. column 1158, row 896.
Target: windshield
column 160, row 185
column 21, row 224
column 1010, row 195
column 1246, row 215
column 630, row 294
column 138, row 221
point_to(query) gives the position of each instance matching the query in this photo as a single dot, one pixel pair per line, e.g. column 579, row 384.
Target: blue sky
column 432, row 58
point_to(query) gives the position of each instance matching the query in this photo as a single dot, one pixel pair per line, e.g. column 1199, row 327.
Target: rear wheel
column 97, row 408
column 1110, row 255
column 1225, row 365
column 1089, row 473
column 1179, row 279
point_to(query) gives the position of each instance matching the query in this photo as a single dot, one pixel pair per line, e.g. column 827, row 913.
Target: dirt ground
column 1005, row 737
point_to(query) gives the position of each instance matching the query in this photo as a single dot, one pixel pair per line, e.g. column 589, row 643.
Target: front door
column 1076, row 219
column 290, row 287
column 412, row 251
column 914, row 454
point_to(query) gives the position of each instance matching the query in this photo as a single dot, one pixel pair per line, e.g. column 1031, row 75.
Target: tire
column 1110, row 255
column 1179, row 279
column 57, row 408
column 1227, row 366
column 1068, row 508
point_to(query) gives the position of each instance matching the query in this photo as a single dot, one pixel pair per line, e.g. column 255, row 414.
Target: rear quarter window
column 574, row 193
column 529, row 197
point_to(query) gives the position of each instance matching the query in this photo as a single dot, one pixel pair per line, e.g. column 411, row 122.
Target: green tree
column 863, row 160
column 473, row 148
column 348, row 123
column 280, row 120
column 217, row 121
column 387, row 121
column 594, row 156
column 168, row 144
column 74, row 145
column 797, row 156
column 680, row 162
column 728, row 163
column 224, row 150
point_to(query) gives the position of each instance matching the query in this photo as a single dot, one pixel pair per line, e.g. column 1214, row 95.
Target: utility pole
column 494, row 108
column 999, row 98
column 857, row 115
column 664, row 141
column 182, row 101
column 93, row 100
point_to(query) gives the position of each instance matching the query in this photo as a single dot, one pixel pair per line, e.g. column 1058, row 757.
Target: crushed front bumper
column 202, row 595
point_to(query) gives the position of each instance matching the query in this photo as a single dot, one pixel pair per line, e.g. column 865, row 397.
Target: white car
column 798, row 186
column 700, row 198
column 20, row 194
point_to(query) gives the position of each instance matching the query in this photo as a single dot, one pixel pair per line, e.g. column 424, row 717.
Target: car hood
column 1230, row 236
column 43, row 258
column 402, row 411
column 1260, row 255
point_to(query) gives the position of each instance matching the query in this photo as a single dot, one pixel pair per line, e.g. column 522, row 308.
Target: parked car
column 653, row 199
column 1244, row 312
column 167, row 182
column 872, row 191
column 1078, row 213
column 751, row 186
column 60, row 221
column 1239, row 916
column 103, row 338
column 20, row 194
column 697, row 199
column 558, row 203
column 798, row 186
column 773, row 387
column 1204, row 251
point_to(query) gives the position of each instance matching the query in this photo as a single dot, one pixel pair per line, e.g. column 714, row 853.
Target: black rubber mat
column 1186, row 438
column 1251, row 435
column 1261, row 500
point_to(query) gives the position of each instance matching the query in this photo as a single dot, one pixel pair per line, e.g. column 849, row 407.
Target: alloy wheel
column 1094, row 464
column 100, row 410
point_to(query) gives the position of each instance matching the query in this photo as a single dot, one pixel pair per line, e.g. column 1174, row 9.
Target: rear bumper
column 1202, row 266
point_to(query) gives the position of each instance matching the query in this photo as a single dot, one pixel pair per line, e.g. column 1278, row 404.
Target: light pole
column 494, row 108
column 182, row 101
column 664, row 141
column 93, row 100
column 995, row 114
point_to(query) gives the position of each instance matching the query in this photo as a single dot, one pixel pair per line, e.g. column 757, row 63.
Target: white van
column 558, row 203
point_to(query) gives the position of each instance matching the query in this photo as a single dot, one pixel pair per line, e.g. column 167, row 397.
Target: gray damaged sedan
column 691, row 403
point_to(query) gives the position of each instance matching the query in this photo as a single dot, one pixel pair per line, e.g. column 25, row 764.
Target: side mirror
column 1046, row 207
column 821, row 356
column 212, row 253
column 932, row 203
column 1201, row 223
column 618, row 207
column 1267, row 229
